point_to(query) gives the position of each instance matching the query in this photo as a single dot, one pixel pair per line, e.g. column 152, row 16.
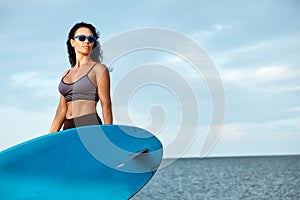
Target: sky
column 254, row 46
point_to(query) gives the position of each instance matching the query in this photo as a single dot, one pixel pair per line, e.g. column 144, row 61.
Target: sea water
column 259, row 178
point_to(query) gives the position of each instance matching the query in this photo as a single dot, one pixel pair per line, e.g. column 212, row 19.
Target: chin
column 84, row 53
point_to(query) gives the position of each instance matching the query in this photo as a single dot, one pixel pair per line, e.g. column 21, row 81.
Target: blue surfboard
column 93, row 162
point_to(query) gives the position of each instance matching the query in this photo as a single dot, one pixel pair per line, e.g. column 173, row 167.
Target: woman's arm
column 59, row 115
column 103, row 84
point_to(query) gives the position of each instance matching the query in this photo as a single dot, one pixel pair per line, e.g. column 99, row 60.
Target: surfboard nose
column 123, row 148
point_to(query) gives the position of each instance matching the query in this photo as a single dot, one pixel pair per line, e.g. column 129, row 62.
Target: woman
column 83, row 85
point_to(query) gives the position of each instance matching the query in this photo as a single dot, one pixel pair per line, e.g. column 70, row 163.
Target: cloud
column 29, row 90
column 19, row 125
column 262, row 74
column 213, row 31
column 272, row 73
column 25, row 79
column 273, row 137
column 283, row 49
column 295, row 109
column 266, row 78
column 37, row 82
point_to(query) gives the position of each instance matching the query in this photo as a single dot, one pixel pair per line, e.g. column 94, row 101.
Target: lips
column 85, row 47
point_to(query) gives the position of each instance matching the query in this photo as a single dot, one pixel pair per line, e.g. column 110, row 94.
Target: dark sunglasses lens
column 91, row 39
column 81, row 38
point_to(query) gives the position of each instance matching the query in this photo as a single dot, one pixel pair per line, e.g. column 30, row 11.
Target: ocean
column 227, row 178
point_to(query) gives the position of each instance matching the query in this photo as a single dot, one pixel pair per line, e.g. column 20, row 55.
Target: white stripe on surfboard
column 132, row 156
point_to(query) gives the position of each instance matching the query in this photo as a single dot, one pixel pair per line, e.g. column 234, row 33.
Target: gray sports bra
column 82, row 89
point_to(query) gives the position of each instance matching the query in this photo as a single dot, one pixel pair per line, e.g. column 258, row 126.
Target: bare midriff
column 80, row 107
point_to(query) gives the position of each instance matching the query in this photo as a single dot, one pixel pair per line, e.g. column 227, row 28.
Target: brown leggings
column 85, row 120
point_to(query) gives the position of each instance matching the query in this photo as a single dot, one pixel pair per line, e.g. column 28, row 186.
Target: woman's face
column 82, row 47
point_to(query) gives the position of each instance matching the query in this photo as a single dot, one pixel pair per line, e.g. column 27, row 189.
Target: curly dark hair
column 96, row 54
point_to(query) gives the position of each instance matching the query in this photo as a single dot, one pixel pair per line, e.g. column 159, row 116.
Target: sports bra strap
column 91, row 69
column 86, row 73
column 66, row 74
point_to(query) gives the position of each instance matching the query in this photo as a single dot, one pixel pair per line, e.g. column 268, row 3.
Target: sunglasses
column 82, row 38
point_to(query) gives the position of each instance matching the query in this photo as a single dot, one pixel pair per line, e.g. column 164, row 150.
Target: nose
column 86, row 41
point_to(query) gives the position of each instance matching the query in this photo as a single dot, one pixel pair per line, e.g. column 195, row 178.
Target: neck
column 81, row 60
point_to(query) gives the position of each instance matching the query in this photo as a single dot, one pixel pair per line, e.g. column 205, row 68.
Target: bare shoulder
column 65, row 73
column 100, row 66
column 100, row 69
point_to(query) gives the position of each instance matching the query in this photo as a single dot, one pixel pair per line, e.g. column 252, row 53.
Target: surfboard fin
column 132, row 156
